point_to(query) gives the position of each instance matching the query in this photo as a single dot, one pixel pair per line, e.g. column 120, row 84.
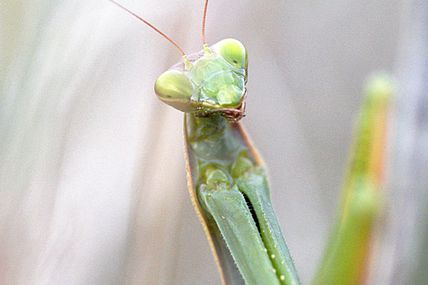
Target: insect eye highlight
column 233, row 51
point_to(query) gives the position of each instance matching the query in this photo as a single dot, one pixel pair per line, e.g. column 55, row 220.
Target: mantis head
column 210, row 82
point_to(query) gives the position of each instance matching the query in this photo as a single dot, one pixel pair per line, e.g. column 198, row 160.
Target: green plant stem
column 348, row 253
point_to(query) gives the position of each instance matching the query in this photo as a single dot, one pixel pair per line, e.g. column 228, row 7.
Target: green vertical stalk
column 348, row 252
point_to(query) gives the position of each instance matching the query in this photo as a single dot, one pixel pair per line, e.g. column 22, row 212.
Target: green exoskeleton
column 226, row 177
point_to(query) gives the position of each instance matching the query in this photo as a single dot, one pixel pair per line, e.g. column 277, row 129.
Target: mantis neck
column 213, row 140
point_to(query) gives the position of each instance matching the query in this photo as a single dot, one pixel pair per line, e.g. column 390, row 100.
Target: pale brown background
column 92, row 180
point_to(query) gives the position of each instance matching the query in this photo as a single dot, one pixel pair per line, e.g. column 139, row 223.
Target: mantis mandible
column 226, row 177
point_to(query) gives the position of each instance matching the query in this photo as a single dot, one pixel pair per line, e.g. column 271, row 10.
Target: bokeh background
column 92, row 179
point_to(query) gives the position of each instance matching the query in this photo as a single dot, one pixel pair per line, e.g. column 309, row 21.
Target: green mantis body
column 227, row 180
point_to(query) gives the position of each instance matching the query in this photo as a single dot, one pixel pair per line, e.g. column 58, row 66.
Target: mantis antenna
column 151, row 26
column 204, row 22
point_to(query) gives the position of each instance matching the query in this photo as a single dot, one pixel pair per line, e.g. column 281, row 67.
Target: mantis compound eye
column 175, row 89
column 233, row 51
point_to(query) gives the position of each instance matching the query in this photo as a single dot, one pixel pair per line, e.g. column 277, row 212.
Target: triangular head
column 212, row 81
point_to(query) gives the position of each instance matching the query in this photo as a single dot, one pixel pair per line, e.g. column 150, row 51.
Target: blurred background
column 92, row 179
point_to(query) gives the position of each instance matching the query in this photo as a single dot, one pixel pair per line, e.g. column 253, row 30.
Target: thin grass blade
column 348, row 254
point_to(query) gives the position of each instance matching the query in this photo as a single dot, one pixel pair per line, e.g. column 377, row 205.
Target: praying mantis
column 227, row 178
